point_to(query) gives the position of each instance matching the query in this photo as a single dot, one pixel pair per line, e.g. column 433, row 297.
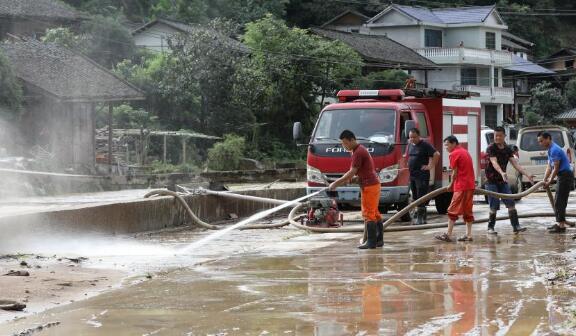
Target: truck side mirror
column 297, row 131
column 408, row 125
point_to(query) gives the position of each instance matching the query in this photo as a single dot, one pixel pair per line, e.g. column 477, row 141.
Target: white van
column 535, row 159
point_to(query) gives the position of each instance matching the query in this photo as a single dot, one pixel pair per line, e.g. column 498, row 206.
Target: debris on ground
column 34, row 330
column 17, row 273
column 11, row 305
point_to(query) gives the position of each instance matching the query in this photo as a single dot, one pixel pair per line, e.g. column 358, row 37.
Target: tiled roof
column 522, row 65
column 186, row 28
column 53, row 9
column 568, row 115
column 476, row 14
column 378, row 48
column 64, row 74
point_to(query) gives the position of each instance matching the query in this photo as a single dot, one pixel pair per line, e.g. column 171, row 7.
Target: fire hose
column 293, row 216
column 425, row 199
column 199, row 222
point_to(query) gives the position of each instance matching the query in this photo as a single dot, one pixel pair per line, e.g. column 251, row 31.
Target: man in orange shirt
column 463, row 183
column 362, row 170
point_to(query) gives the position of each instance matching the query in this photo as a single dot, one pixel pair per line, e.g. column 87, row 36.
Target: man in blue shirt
column 558, row 166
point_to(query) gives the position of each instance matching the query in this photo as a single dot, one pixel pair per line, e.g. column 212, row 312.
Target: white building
column 465, row 42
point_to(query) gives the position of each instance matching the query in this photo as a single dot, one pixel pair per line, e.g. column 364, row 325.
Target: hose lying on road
column 424, row 199
column 199, row 222
column 293, row 218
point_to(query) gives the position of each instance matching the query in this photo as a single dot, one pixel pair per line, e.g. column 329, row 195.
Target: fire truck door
column 473, row 142
column 446, row 131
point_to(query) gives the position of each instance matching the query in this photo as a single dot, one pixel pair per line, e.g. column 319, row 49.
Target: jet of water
column 250, row 219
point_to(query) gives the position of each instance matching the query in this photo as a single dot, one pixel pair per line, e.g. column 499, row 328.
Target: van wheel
column 406, row 217
column 443, row 202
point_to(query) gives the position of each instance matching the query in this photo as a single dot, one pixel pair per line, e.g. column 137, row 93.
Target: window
column 469, row 76
column 529, row 141
column 422, row 126
column 432, row 38
column 496, row 79
column 404, row 116
column 491, row 116
column 569, row 64
column 491, row 41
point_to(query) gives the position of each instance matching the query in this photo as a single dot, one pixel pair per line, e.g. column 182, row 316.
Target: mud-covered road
column 286, row 282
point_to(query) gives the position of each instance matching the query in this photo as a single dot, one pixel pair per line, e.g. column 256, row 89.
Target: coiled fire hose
column 426, row 198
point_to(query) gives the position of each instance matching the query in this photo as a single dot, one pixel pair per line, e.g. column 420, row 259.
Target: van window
column 422, row 126
column 529, row 140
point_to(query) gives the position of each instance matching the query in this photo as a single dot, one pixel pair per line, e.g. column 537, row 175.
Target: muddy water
column 416, row 286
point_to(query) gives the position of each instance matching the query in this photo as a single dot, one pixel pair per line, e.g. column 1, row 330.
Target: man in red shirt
column 362, row 171
column 463, row 184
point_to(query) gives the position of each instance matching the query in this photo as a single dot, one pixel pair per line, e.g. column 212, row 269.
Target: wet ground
column 286, row 282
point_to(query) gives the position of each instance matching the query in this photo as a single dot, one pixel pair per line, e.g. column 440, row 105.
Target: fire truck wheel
column 443, row 202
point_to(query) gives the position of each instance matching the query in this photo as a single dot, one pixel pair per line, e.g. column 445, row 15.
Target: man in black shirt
column 497, row 180
column 423, row 158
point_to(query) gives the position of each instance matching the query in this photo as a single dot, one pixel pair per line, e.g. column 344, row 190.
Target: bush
column 226, row 155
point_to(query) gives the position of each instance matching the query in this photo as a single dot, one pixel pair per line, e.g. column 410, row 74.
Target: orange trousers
column 370, row 196
column 461, row 205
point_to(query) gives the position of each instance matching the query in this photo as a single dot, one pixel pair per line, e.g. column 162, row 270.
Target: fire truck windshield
column 376, row 125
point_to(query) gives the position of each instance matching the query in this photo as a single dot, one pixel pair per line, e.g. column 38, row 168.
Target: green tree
column 288, row 70
column 570, row 93
column 387, row 79
column 226, row 155
column 106, row 40
column 62, row 36
column 546, row 101
column 203, row 70
column 10, row 90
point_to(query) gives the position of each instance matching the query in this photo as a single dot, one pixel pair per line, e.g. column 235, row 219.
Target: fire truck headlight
column 389, row 174
column 315, row 175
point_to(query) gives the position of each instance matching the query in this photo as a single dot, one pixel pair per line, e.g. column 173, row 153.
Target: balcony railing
column 502, row 95
column 462, row 55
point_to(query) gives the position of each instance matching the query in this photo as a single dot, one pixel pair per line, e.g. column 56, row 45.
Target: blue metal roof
column 522, row 65
column 476, row 14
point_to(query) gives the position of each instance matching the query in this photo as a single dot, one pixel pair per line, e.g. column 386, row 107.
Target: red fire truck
column 381, row 119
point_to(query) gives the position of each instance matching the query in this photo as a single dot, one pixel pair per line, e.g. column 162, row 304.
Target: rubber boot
column 491, row 221
column 492, row 224
column 425, row 216
column 515, row 222
column 371, row 232
column 420, row 216
column 379, row 233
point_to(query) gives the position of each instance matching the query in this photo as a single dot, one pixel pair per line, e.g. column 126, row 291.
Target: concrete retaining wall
column 136, row 216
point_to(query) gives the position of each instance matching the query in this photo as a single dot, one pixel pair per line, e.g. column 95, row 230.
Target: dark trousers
column 563, row 186
column 419, row 188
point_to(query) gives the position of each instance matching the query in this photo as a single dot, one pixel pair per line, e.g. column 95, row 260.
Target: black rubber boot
column 371, row 232
column 379, row 233
column 514, row 221
column 491, row 221
column 425, row 216
column 420, row 213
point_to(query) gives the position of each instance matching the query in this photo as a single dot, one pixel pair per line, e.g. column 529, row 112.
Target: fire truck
column 381, row 120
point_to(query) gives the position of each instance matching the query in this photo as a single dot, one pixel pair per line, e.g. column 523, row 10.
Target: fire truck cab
column 381, row 119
